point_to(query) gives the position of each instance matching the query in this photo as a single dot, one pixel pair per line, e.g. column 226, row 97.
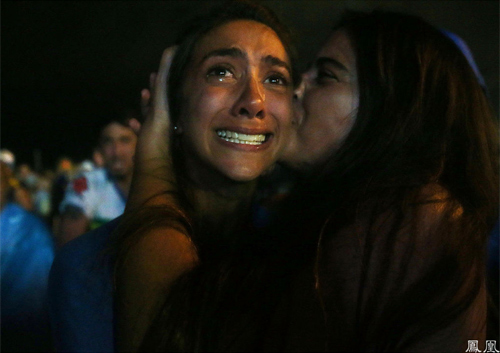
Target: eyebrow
column 233, row 52
column 274, row 61
column 324, row 60
column 238, row 53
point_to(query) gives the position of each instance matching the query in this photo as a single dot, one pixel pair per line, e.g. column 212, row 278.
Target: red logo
column 80, row 185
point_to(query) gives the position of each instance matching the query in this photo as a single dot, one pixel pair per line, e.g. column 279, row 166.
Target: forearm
column 155, row 187
column 154, row 247
column 143, row 280
column 154, row 178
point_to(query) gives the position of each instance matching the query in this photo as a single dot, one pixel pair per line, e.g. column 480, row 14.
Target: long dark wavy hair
column 183, row 323
column 423, row 124
column 422, row 115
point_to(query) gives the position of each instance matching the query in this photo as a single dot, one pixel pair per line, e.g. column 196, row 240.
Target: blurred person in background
column 28, row 180
column 98, row 196
column 26, row 175
column 27, row 253
column 19, row 191
column 64, row 174
column 86, row 166
column 42, row 203
column 97, row 158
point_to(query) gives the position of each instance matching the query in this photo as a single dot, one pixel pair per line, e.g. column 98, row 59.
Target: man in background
column 96, row 197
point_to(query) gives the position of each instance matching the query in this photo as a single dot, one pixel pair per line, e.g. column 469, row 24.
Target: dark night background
column 65, row 65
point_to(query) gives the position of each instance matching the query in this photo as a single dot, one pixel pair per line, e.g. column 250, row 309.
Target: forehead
column 253, row 38
column 115, row 129
column 339, row 47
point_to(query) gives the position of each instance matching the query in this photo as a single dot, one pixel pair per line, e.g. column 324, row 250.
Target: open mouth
column 244, row 139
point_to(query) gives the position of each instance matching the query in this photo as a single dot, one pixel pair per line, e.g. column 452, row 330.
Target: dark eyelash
column 322, row 74
column 281, row 77
column 218, row 69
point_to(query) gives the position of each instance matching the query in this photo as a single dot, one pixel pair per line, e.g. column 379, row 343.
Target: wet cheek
column 212, row 99
column 196, row 113
column 208, row 102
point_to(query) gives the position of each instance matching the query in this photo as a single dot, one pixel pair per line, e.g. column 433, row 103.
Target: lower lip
column 245, row 147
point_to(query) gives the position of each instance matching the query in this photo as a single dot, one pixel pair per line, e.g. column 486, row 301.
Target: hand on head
column 153, row 161
column 145, row 103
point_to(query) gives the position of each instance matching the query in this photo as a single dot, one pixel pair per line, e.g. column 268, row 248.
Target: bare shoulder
column 149, row 268
column 160, row 255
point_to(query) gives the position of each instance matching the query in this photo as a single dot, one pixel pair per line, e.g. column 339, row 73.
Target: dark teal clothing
column 81, row 294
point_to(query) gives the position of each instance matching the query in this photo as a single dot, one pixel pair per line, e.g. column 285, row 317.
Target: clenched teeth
column 236, row 137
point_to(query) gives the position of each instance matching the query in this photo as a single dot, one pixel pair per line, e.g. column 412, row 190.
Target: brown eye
column 220, row 73
column 277, row 80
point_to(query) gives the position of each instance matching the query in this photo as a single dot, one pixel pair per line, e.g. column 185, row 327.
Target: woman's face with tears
column 237, row 101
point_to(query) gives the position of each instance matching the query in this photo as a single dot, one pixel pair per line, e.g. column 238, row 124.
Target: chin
column 244, row 175
column 243, row 178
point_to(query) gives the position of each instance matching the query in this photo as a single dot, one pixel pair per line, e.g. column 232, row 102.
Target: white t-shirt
column 97, row 195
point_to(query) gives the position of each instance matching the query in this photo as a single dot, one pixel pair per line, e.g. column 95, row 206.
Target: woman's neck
column 220, row 205
column 223, row 211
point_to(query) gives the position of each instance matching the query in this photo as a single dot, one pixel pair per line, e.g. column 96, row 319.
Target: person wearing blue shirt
column 27, row 253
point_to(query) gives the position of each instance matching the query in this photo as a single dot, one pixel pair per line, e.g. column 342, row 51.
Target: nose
column 114, row 149
column 298, row 93
column 251, row 102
